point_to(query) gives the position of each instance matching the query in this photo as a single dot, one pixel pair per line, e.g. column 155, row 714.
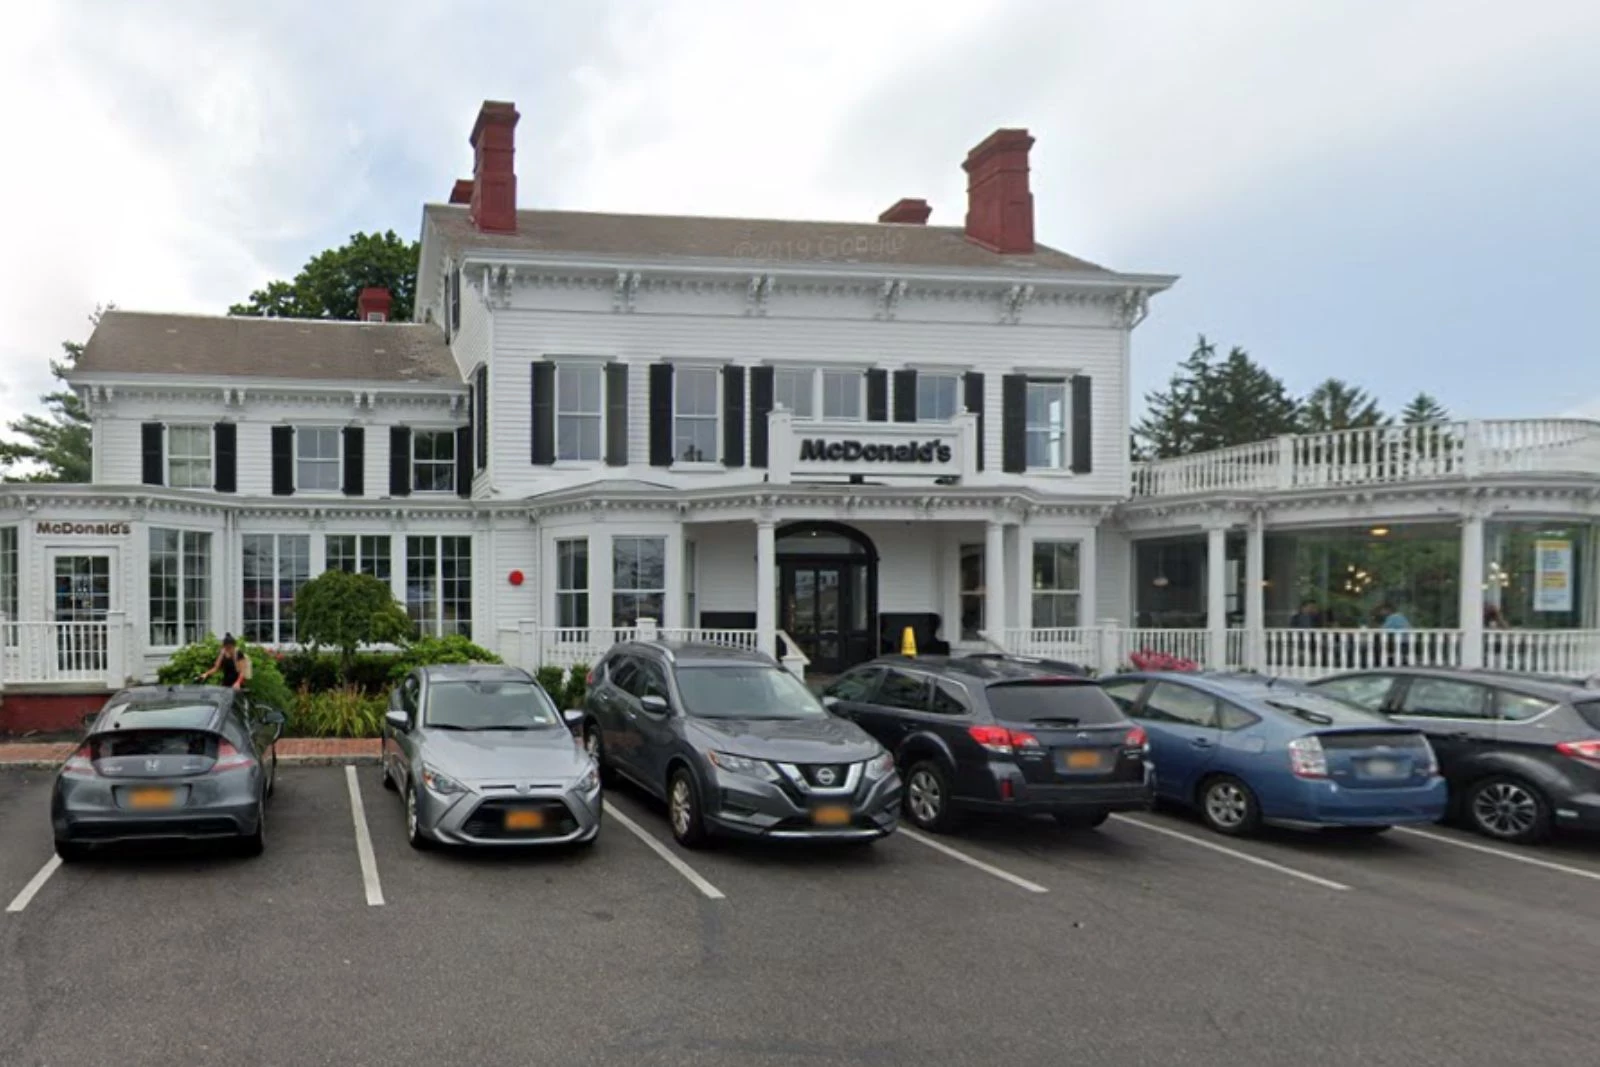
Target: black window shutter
column 732, row 416
column 616, row 414
column 1013, row 423
column 152, row 439
column 1082, row 426
column 760, row 408
column 355, row 461
column 544, row 414
column 972, row 386
column 225, row 443
column 905, row 395
column 399, row 461
column 660, row 414
column 877, row 396
column 463, row 460
column 480, row 421
column 283, row 461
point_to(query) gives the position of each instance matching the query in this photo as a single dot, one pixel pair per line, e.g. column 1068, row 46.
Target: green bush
column 552, row 680
column 266, row 679
column 430, row 650
column 346, row 611
column 342, row 712
column 369, row 671
column 576, row 691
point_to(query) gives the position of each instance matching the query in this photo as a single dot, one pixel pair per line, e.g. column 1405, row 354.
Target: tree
column 1337, row 405
column 56, row 446
column 1213, row 403
column 345, row 611
column 329, row 285
column 1424, row 408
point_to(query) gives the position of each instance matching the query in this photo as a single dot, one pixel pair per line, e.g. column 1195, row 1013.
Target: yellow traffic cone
column 908, row 642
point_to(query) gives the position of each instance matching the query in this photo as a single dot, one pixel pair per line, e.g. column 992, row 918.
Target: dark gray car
column 482, row 756
column 736, row 745
column 189, row 762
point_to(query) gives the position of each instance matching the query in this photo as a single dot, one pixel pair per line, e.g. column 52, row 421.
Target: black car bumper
column 1032, row 799
column 744, row 807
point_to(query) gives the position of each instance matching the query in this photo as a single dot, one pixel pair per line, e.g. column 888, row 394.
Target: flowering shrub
column 1149, row 659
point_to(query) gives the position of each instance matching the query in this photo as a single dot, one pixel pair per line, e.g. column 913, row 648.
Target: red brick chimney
column 494, row 177
column 911, row 212
column 999, row 205
column 461, row 191
column 373, row 304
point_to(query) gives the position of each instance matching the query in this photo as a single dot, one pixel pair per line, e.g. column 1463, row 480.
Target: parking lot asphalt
column 1150, row 941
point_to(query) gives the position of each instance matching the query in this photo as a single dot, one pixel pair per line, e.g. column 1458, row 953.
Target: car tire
column 272, row 777
column 927, row 798
column 1229, row 807
column 1082, row 820
column 595, row 746
column 388, row 779
column 414, row 835
column 254, row 844
column 1508, row 809
column 71, row 851
column 683, row 809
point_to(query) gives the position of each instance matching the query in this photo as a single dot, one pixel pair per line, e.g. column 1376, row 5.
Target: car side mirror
column 573, row 718
column 655, row 705
column 830, row 702
column 398, row 719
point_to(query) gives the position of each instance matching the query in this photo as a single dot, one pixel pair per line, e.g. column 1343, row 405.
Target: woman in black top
column 232, row 662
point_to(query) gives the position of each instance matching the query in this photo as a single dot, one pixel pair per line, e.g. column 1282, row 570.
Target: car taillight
column 230, row 759
column 1588, row 751
column 1306, row 758
column 996, row 739
column 1138, row 739
column 588, row 679
column 80, row 764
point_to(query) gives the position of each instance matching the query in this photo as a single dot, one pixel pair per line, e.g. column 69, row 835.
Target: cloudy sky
column 1399, row 193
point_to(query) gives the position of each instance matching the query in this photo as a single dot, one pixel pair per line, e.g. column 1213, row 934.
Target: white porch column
column 1255, row 595
column 1471, row 585
column 994, row 581
column 766, row 587
column 1217, row 596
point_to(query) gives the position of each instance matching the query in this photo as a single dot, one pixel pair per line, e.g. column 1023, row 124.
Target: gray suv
column 735, row 745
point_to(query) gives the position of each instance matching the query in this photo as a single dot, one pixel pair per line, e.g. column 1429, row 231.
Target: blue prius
column 1244, row 750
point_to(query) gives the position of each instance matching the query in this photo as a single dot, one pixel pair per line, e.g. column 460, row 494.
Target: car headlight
column 590, row 780
column 441, row 783
column 750, row 768
column 879, row 767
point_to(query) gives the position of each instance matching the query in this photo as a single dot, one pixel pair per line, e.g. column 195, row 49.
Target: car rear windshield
column 1317, row 709
column 489, row 705
column 169, row 743
column 187, row 716
column 745, row 692
column 1070, row 703
column 1590, row 710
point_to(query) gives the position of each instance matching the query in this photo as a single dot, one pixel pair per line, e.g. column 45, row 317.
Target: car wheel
column 1508, row 809
column 388, row 779
column 71, row 851
column 1229, row 807
column 595, row 747
column 254, row 844
column 683, row 809
column 1082, row 820
column 414, row 835
column 927, row 797
column 272, row 776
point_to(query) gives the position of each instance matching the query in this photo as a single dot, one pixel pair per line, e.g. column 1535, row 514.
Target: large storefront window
column 572, row 583
column 363, row 554
column 9, row 572
column 638, row 579
column 439, row 585
column 180, row 587
column 274, row 567
column 1055, row 584
column 1355, row 578
column 1537, row 575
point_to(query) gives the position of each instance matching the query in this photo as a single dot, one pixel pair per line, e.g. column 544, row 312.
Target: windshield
column 490, row 705
column 745, row 692
column 1069, row 704
column 1320, row 710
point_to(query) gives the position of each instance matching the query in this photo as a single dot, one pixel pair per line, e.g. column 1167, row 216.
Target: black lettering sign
column 816, row 450
column 97, row 529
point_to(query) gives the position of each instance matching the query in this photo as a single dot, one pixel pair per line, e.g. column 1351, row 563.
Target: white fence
column 65, row 653
column 532, row 647
column 1314, row 653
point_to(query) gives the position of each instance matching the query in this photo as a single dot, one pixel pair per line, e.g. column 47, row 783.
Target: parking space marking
column 1488, row 851
column 693, row 876
column 369, row 862
column 971, row 861
column 1305, row 876
column 31, row 890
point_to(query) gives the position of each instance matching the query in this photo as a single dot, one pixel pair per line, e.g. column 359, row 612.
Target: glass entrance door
column 813, row 605
column 81, row 599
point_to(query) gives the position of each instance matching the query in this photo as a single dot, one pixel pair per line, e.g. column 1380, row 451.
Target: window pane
column 1169, row 702
column 196, row 585
column 1438, row 698
column 341, row 552
column 164, row 571
column 375, row 556
column 572, row 565
column 422, row 576
column 294, row 571
column 257, row 564
column 455, row 572
column 9, row 593
column 639, row 564
column 841, row 394
column 434, row 461
column 792, row 391
column 936, row 397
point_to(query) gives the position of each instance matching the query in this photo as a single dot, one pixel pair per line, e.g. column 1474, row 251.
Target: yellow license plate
column 1078, row 760
column 831, row 816
column 525, row 819
column 145, row 799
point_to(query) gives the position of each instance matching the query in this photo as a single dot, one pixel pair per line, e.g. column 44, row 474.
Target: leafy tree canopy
column 55, row 446
column 1337, row 405
column 329, row 285
column 1215, row 402
column 340, row 610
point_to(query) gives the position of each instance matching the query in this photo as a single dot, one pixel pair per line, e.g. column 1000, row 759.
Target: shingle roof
column 135, row 342
column 756, row 240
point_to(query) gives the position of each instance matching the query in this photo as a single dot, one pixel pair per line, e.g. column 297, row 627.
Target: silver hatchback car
column 481, row 756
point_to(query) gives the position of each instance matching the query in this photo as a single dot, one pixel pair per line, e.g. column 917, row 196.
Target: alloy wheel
column 1505, row 809
column 680, row 806
column 924, row 797
column 1227, row 805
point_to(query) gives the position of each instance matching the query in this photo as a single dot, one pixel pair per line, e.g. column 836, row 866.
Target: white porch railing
column 1314, row 653
column 745, row 639
column 1381, row 455
column 563, row 646
column 61, row 653
column 1569, row 652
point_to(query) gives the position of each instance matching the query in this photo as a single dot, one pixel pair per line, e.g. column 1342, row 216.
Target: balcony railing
column 90, row 653
column 1381, row 455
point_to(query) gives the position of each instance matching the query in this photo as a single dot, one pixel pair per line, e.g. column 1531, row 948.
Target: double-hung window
column 1045, row 425
column 638, row 579
column 180, row 587
column 937, row 397
column 572, row 583
column 360, row 554
column 694, row 424
column 317, row 453
column 842, row 394
column 433, row 461
column 580, row 404
column 189, row 457
column 273, row 568
column 804, row 392
column 973, row 592
column 439, row 584
column 9, row 574
column 1055, row 584
column 794, row 391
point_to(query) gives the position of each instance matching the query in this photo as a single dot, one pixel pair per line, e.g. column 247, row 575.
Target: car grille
column 176, row 828
column 488, row 820
column 825, row 775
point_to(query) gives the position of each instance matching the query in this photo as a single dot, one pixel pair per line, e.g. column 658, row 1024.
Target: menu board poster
column 1552, row 575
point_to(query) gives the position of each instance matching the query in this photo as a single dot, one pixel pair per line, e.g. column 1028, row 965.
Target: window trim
column 639, row 590
column 595, row 366
column 1030, row 429
column 716, row 418
column 435, row 626
column 279, row 618
column 300, row 437
column 1035, row 592
column 818, row 390
column 417, row 433
column 207, row 434
column 562, row 591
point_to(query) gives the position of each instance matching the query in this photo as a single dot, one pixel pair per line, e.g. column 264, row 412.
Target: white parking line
column 1486, row 850
column 666, row 853
column 986, row 868
column 31, row 890
column 1326, row 883
column 369, row 862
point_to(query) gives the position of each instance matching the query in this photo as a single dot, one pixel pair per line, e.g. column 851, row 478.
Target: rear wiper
column 1058, row 721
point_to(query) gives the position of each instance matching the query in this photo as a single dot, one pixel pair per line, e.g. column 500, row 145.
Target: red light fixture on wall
column 515, row 577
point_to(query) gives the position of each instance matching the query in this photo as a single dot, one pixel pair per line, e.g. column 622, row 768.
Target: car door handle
column 1200, row 742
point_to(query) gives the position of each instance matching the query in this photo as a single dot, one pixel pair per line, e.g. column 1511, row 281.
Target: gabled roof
column 756, row 240
column 203, row 346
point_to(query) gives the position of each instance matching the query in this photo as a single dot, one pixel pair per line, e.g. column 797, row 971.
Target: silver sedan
column 481, row 756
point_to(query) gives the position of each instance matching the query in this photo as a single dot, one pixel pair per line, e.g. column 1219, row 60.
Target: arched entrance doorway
column 828, row 593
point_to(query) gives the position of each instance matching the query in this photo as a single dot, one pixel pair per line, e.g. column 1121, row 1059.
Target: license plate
column 833, row 815
column 1082, row 760
column 525, row 819
column 1385, row 768
column 146, row 799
